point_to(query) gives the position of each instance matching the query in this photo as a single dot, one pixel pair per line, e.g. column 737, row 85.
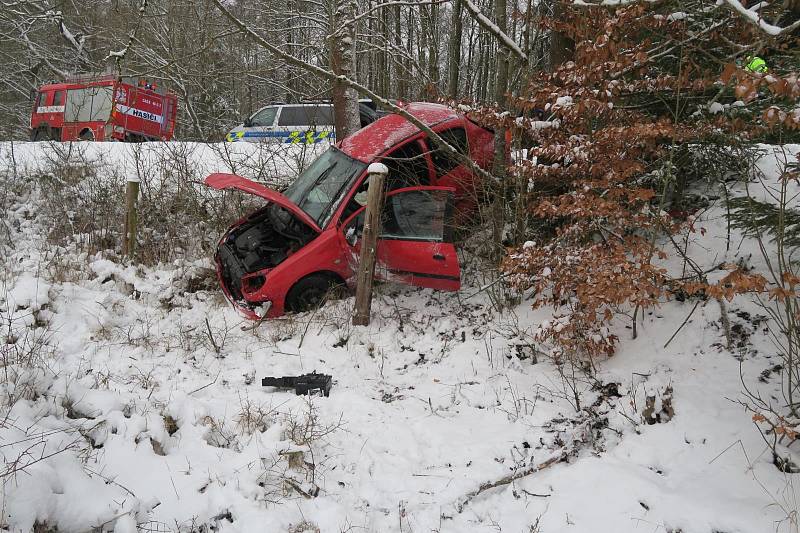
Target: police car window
column 322, row 116
column 444, row 161
column 265, row 117
column 295, row 116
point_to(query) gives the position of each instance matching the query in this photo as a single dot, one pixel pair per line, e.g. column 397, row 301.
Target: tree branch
column 504, row 40
column 330, row 76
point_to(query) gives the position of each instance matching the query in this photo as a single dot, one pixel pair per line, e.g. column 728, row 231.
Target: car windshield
column 320, row 187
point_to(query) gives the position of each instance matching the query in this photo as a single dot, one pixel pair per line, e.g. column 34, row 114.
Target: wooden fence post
column 369, row 240
column 131, row 217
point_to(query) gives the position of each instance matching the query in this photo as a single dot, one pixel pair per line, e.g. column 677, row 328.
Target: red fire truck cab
column 103, row 109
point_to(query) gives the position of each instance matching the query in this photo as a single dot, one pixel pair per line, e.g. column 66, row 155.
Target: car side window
column 407, row 168
column 296, row 116
column 443, row 161
column 265, row 117
column 409, row 216
column 414, row 215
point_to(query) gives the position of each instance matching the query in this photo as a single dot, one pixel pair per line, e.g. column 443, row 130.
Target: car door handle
column 438, row 257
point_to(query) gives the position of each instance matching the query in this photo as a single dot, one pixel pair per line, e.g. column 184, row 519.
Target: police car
column 306, row 123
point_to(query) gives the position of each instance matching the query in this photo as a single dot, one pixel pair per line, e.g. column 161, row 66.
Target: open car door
column 415, row 244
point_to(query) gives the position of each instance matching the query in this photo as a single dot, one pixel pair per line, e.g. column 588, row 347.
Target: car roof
column 300, row 104
column 376, row 138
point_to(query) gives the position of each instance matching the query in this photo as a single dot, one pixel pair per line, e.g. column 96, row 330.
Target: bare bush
column 773, row 220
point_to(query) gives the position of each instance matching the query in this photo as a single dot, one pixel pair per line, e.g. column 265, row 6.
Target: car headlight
column 253, row 283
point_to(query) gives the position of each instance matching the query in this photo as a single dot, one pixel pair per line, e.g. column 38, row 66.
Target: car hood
column 222, row 181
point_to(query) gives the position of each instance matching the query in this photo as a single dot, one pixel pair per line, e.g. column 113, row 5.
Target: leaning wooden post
column 369, row 241
column 131, row 217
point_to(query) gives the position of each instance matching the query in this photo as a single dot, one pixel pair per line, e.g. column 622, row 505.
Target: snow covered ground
column 131, row 399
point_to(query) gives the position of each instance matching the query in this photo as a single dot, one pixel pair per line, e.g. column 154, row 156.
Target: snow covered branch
column 491, row 27
column 610, row 3
column 76, row 42
column 754, row 17
column 751, row 13
column 119, row 55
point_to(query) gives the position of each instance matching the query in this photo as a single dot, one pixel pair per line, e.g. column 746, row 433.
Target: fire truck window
column 101, row 103
column 85, row 105
column 407, row 167
column 78, row 106
column 58, row 99
column 443, row 161
column 265, row 117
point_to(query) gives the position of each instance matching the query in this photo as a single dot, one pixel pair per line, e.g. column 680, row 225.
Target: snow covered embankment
column 131, row 398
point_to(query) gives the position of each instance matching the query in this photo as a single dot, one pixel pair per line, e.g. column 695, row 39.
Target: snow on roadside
column 136, row 399
column 276, row 164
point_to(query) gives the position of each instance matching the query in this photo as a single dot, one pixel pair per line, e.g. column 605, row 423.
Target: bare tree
column 341, row 44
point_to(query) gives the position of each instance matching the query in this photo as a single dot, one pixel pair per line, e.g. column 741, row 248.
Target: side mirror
column 247, row 123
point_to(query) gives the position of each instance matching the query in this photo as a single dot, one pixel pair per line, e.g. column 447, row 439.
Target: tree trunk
column 562, row 47
column 500, row 146
column 341, row 46
column 433, row 48
column 454, row 59
column 399, row 73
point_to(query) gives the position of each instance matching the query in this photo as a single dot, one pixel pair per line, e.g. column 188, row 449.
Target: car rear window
column 443, row 161
column 407, row 167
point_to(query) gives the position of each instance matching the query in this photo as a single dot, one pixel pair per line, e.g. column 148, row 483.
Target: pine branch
column 754, row 217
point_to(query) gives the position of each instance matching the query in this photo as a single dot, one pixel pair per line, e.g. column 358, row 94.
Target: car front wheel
column 312, row 291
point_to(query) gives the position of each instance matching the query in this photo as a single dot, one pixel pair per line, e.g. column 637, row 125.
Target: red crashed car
column 288, row 254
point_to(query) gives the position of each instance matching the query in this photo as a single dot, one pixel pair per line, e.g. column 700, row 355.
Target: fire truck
column 107, row 108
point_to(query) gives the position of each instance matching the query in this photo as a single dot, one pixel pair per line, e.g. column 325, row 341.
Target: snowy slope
column 132, row 399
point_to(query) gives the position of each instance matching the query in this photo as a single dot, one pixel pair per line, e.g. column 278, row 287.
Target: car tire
column 86, row 135
column 312, row 291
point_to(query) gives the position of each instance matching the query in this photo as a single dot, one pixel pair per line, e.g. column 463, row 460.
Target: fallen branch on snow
column 510, row 478
column 562, row 456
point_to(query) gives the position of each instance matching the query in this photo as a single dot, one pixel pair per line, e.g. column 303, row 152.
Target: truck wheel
column 86, row 135
column 311, row 291
column 40, row 134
